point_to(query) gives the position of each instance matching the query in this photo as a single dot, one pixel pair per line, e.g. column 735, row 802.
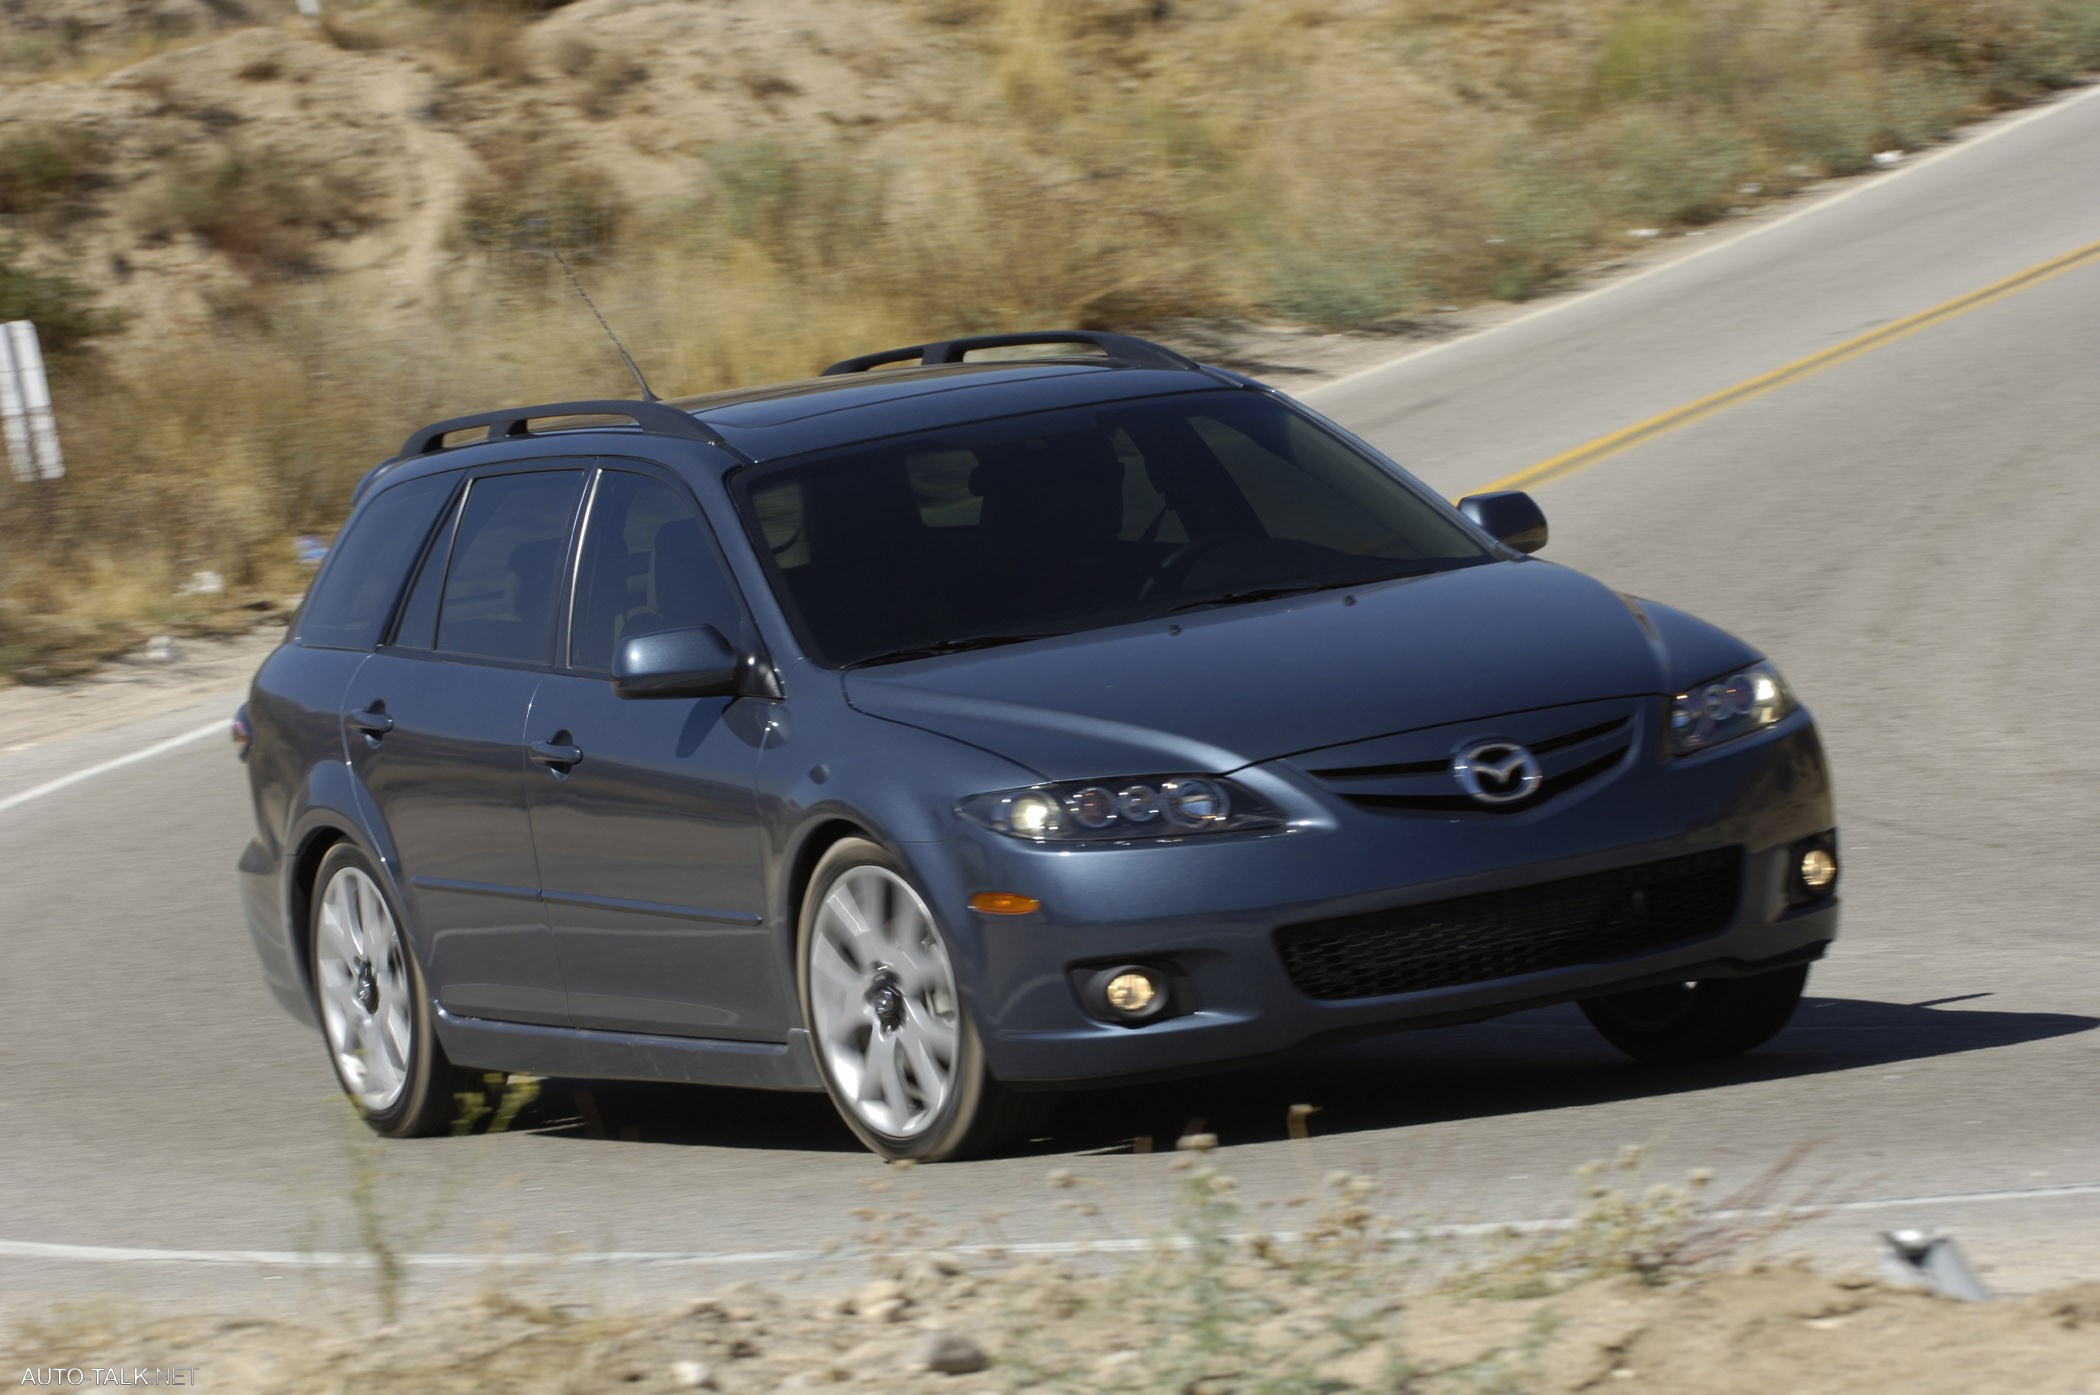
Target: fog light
column 1132, row 992
column 1818, row 869
column 1126, row 993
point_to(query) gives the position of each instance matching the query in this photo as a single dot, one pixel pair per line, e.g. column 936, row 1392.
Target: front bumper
column 1206, row 910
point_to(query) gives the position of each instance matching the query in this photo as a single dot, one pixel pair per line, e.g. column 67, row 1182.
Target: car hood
column 1215, row 690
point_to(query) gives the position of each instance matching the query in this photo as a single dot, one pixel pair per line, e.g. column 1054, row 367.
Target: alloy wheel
column 882, row 999
column 366, row 990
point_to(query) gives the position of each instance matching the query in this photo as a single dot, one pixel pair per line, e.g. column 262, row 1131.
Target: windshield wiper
column 957, row 645
column 1270, row 593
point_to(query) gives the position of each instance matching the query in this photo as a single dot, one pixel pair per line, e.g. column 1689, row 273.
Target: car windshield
column 1003, row 531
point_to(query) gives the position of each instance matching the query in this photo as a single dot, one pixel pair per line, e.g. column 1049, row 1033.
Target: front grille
column 1525, row 930
column 1569, row 760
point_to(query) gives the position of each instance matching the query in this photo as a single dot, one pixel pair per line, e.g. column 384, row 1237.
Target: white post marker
column 25, row 405
column 14, row 414
column 310, row 8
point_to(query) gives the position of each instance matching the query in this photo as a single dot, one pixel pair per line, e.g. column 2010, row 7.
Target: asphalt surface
column 1907, row 532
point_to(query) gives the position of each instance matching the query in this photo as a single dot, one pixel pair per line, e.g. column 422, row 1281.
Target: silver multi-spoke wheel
column 366, row 989
column 882, row 1001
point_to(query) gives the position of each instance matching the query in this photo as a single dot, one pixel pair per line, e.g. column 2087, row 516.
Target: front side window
column 1077, row 519
column 354, row 595
column 648, row 564
column 504, row 575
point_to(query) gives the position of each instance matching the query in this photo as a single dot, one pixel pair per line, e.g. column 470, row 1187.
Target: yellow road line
column 1604, row 447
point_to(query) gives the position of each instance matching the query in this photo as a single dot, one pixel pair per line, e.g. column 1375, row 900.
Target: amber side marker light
column 1004, row 903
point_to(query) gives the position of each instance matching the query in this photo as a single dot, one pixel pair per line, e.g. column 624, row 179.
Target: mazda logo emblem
column 1497, row 772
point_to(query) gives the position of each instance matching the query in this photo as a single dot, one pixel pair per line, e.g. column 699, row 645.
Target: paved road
column 1908, row 531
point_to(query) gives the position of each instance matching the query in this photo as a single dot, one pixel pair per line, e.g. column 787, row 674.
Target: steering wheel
column 1172, row 570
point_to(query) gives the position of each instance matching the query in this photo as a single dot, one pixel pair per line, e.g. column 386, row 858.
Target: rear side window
column 354, row 595
column 505, row 571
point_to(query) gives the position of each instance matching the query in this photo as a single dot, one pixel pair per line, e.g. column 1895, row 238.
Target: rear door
column 436, row 731
column 649, row 850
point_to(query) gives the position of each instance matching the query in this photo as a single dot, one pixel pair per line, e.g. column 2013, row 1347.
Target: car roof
column 858, row 400
column 825, row 413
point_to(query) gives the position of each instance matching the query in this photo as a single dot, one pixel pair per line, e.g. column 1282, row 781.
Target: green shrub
column 258, row 208
column 46, row 166
column 1545, row 213
column 1652, row 53
column 1921, row 108
column 810, row 210
column 63, row 310
column 1831, row 129
column 1662, row 169
column 534, row 200
column 1334, row 288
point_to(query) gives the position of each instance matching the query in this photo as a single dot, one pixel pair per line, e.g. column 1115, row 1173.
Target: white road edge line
column 1861, row 185
column 337, row 1259
column 223, row 728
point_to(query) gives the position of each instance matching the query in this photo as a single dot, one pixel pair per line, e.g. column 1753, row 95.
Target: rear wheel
column 1699, row 1021
column 893, row 1041
column 375, row 1014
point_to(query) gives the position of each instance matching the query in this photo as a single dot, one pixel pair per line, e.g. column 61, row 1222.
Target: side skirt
column 588, row 1054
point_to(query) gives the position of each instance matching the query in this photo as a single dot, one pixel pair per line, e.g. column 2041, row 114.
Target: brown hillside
column 282, row 239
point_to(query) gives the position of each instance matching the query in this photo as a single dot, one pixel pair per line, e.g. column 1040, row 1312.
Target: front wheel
column 1698, row 1021
column 374, row 1012
column 895, row 1046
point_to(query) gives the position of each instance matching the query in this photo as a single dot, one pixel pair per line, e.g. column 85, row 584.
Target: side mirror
column 1509, row 517
column 677, row 663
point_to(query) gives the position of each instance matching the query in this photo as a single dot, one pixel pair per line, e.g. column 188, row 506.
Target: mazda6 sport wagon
column 950, row 729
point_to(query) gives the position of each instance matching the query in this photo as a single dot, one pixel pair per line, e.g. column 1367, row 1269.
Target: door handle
column 372, row 721
column 555, row 755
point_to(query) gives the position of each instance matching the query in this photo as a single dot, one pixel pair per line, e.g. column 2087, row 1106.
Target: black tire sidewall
column 1723, row 1017
column 952, row 1132
column 425, row 1103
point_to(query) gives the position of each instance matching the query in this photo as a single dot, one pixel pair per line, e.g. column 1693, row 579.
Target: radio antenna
column 618, row 348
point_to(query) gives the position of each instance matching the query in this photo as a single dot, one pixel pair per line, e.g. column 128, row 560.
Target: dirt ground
column 979, row 1328
column 166, row 674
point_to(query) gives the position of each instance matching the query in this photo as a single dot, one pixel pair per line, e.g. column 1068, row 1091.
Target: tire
column 1701, row 1021
column 894, row 1042
column 372, row 1004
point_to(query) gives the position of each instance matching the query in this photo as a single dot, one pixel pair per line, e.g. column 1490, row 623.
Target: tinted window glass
column 1077, row 519
column 940, row 481
column 776, row 505
column 505, row 572
column 648, row 564
column 417, row 626
column 1305, row 486
column 354, row 595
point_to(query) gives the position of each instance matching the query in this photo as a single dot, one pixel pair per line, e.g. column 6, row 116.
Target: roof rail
column 1123, row 348
column 517, row 421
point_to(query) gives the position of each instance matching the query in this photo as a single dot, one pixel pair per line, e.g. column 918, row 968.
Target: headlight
column 1152, row 806
column 1750, row 699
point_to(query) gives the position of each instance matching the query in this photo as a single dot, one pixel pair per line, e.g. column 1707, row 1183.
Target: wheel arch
column 306, row 861
column 323, row 826
column 818, row 839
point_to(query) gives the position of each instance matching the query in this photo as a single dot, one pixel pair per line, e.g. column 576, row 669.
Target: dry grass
column 44, row 168
column 1647, row 1287
column 1100, row 163
column 255, row 206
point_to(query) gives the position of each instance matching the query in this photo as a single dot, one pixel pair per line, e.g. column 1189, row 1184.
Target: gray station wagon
column 951, row 729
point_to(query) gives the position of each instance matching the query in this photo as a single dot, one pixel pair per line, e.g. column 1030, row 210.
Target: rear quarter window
column 354, row 596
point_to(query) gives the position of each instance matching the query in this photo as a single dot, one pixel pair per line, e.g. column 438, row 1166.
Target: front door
column 649, row 852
